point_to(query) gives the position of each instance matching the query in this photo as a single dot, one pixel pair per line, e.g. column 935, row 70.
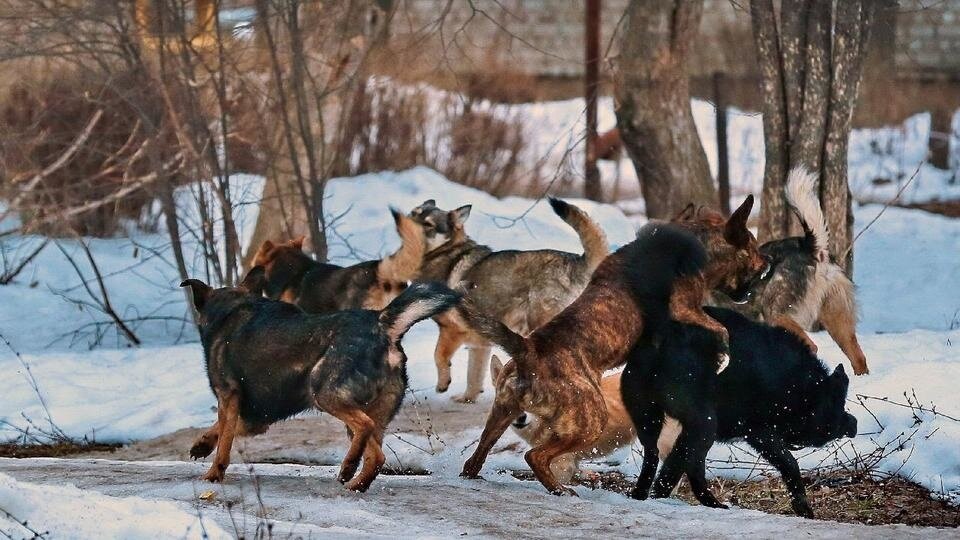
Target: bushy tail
column 595, row 247
column 493, row 330
column 418, row 302
column 404, row 264
column 802, row 195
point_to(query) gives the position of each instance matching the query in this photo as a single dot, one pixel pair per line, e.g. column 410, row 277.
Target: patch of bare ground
column 946, row 208
column 59, row 449
column 833, row 496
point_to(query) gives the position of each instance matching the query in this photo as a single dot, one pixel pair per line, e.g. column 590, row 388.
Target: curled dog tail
column 595, row 247
column 404, row 264
column 419, row 301
column 493, row 330
column 802, row 195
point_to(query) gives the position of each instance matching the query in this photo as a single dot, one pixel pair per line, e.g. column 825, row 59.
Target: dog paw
column 802, row 508
column 215, row 474
column 200, row 449
column 465, row 398
column 564, row 491
column 441, row 388
column 723, row 360
column 471, row 470
column 347, row 471
column 358, row 485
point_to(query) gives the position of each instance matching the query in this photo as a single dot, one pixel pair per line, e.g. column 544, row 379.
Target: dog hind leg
column 541, row 457
column 451, row 338
column 792, row 326
column 373, row 460
column 838, row 317
column 228, row 414
column 648, row 421
column 361, row 427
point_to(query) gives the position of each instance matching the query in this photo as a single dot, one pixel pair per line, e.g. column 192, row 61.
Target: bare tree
column 653, row 113
column 316, row 54
column 810, row 65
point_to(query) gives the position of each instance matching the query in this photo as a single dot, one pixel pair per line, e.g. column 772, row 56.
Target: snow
column 69, row 512
column 95, row 386
column 305, row 501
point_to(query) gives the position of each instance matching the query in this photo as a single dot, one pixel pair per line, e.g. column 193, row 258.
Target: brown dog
column 555, row 372
column 618, row 433
column 315, row 287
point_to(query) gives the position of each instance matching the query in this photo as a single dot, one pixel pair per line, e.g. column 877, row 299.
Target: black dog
column 267, row 360
column 775, row 394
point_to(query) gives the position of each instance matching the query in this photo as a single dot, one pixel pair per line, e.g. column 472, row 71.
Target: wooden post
column 592, row 188
column 723, row 155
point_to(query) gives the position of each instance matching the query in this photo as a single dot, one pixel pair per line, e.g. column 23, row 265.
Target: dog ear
column 687, row 214
column 297, row 242
column 735, row 231
column 201, row 292
column 458, row 216
column 255, row 280
column 496, row 366
column 266, row 246
column 839, row 377
column 429, row 203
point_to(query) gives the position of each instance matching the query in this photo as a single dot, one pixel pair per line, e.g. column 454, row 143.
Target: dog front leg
column 501, row 416
column 476, row 369
column 686, row 306
column 773, row 450
column 228, row 414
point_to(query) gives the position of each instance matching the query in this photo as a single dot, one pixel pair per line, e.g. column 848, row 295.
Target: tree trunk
column 810, row 68
column 653, row 113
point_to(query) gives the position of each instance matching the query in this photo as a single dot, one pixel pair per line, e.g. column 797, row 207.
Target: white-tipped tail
column 802, row 196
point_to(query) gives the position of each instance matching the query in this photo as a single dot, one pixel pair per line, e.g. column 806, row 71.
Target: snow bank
column 68, row 512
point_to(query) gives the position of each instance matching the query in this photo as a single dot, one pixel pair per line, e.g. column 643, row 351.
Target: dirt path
column 318, row 439
column 306, row 501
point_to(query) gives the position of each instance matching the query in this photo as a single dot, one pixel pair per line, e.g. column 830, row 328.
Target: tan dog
column 618, row 433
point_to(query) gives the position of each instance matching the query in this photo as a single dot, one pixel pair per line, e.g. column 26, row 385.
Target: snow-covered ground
column 307, row 502
column 69, row 512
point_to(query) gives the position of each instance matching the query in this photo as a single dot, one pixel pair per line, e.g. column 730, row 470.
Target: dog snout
column 851, row 427
column 521, row 421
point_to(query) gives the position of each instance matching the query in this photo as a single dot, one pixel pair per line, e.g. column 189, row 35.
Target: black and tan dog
column 316, row 287
column 267, row 360
column 805, row 286
column 522, row 289
column 555, row 372
column 776, row 395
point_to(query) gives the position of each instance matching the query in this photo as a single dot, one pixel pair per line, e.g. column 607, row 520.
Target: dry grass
column 58, row 449
column 833, row 496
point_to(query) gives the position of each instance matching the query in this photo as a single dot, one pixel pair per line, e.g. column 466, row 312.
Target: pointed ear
column 201, row 291
column 266, row 246
column 839, row 377
column 298, row 242
column 496, row 366
column 255, row 280
column 735, row 231
column 460, row 215
column 687, row 214
column 429, row 203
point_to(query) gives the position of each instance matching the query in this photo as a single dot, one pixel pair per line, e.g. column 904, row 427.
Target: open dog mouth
column 742, row 295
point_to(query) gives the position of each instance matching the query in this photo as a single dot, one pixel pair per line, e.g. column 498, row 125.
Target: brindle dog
column 268, row 360
column 315, row 287
column 522, row 289
column 555, row 372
